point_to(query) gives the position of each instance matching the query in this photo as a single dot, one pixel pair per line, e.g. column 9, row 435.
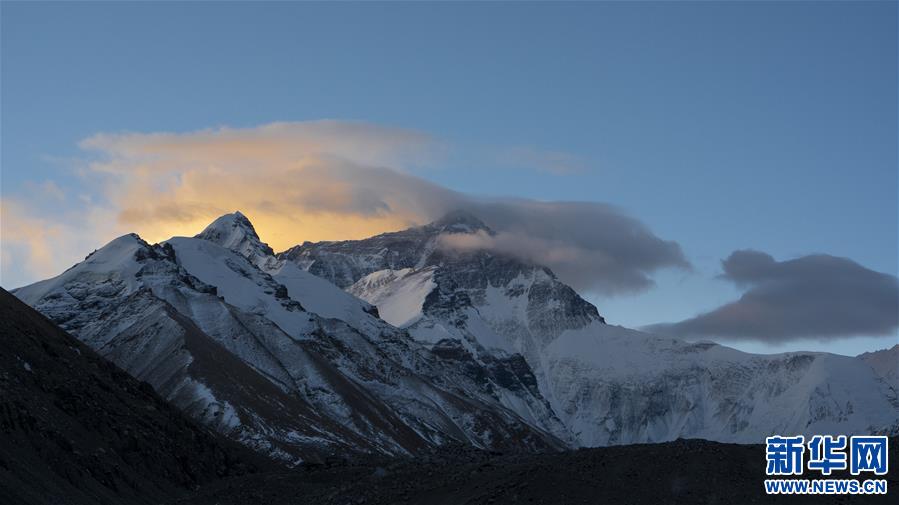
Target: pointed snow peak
column 236, row 232
column 234, row 221
column 460, row 221
column 230, row 226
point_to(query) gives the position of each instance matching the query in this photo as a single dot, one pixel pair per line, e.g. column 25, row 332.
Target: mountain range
column 400, row 342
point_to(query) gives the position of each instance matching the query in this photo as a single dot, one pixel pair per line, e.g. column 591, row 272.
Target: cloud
column 36, row 245
column 326, row 180
column 817, row 296
column 591, row 246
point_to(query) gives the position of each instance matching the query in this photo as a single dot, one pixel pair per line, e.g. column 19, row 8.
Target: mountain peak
column 234, row 231
column 236, row 218
column 460, row 221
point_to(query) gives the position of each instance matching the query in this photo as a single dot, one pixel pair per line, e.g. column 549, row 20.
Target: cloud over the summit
column 328, row 180
column 591, row 246
column 817, row 296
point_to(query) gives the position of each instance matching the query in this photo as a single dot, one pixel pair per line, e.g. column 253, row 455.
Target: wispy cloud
column 319, row 180
column 35, row 243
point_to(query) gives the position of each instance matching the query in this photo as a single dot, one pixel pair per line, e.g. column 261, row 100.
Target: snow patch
column 399, row 294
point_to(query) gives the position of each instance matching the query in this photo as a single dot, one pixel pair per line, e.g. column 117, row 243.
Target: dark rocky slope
column 681, row 472
column 74, row 428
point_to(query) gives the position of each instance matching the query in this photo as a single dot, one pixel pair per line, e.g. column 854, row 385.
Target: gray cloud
column 816, row 296
column 326, row 180
column 593, row 247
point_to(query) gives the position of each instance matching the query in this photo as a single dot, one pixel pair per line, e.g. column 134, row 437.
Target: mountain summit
column 236, row 232
column 460, row 221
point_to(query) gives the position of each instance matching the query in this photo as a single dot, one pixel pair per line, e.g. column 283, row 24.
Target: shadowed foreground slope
column 76, row 429
column 684, row 472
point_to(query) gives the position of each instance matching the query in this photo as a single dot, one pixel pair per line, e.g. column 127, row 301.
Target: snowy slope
column 399, row 294
column 501, row 381
column 607, row 384
column 234, row 232
column 319, row 385
column 681, row 390
column 885, row 364
column 118, row 302
column 242, row 285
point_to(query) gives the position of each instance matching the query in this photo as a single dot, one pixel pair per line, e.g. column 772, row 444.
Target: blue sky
column 721, row 126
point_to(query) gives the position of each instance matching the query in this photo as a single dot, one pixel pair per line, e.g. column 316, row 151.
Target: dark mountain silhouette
column 74, row 428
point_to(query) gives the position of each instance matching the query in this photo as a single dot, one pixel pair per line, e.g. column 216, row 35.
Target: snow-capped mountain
column 235, row 232
column 133, row 304
column 885, row 363
column 504, row 381
column 231, row 345
column 400, row 342
column 607, row 384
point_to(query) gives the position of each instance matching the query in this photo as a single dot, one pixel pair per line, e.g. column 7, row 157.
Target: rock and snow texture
column 399, row 295
column 226, row 341
column 885, row 363
column 395, row 343
column 136, row 306
column 607, row 384
column 633, row 387
column 235, row 232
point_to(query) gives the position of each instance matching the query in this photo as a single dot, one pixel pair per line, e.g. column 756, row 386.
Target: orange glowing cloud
column 318, row 180
column 322, row 180
column 35, row 244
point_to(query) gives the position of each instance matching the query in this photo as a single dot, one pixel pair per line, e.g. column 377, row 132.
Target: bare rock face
column 74, row 428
